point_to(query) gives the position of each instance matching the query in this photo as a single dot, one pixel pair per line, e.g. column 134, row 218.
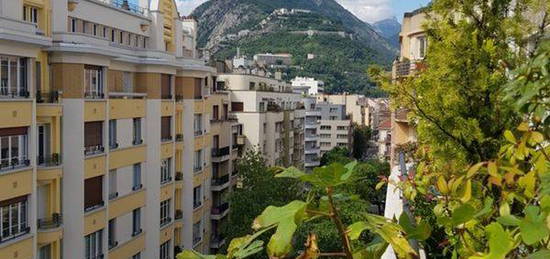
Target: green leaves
column 286, row 219
column 327, row 176
column 533, row 228
column 500, row 242
column 420, row 231
column 392, row 233
column 463, row 214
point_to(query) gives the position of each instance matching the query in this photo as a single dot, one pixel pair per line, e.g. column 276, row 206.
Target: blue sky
column 366, row 10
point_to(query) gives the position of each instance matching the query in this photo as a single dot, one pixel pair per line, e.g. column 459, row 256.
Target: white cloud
column 369, row 10
column 366, row 10
column 185, row 7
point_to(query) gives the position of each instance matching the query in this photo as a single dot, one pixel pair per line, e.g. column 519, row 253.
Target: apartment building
column 272, row 116
column 311, row 136
column 413, row 49
column 356, row 106
column 106, row 133
column 268, row 59
column 307, row 85
column 335, row 127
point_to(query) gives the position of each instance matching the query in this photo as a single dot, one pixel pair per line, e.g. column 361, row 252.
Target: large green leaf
column 533, row 228
column 463, row 214
column 286, row 219
column 542, row 254
column 391, row 233
column 500, row 242
column 291, row 172
column 190, row 254
column 332, row 175
column 419, row 232
column 374, row 249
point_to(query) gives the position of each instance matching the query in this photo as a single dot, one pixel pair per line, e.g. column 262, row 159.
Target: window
column 111, row 238
column 93, row 193
column 198, row 88
column 197, row 233
column 197, row 197
column 165, row 174
column 166, row 86
column 94, row 31
column 14, row 218
column 137, row 131
column 165, row 212
column 13, row 77
column 93, row 137
column 104, row 32
column 136, row 221
column 112, row 184
column 225, row 111
column 30, row 14
column 237, row 106
column 112, row 35
column 251, row 86
column 341, row 144
column 45, row 252
column 165, row 250
column 93, row 245
column 121, row 37
column 112, row 134
column 166, row 128
column 265, row 127
column 325, row 144
column 136, row 179
column 333, row 118
column 128, row 82
column 262, row 107
column 341, row 136
column 197, row 124
column 325, row 135
column 341, row 128
column 197, row 163
column 215, row 112
column 93, row 82
column 421, row 46
column 13, row 148
column 326, row 127
column 333, row 110
column 73, row 25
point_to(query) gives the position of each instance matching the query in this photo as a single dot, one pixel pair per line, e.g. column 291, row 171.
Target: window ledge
column 16, row 240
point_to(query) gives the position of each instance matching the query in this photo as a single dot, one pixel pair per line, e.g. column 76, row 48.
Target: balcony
column 51, row 97
column 401, row 115
column 94, row 150
column 179, row 137
column 94, row 95
column 220, row 183
column 14, row 94
column 55, row 221
column 15, row 163
column 125, row 5
column 179, row 176
column 178, row 215
column 220, row 154
column 220, row 211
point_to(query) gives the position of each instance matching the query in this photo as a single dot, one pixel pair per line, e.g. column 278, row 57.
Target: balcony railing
column 178, row 215
column 166, row 138
column 93, row 150
column 179, row 176
column 220, row 209
column 15, row 163
column 94, row 206
column 179, row 137
column 113, row 195
column 220, row 180
column 196, row 240
column 219, row 152
column 51, row 97
column 198, row 133
column 165, row 221
column 94, row 95
column 197, row 168
column 49, row 160
column 166, row 97
column 136, row 142
column 9, row 93
column 55, row 221
column 126, row 5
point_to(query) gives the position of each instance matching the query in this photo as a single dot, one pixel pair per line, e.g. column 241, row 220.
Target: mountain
column 342, row 44
column 389, row 29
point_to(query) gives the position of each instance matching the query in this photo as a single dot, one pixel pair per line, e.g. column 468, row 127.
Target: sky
column 367, row 10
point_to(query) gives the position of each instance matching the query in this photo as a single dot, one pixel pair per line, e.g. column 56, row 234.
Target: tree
column 369, row 174
column 457, row 100
column 258, row 189
column 361, row 137
column 337, row 154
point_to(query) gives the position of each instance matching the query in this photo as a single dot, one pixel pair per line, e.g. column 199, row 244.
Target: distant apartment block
column 268, row 59
column 307, row 85
column 335, row 127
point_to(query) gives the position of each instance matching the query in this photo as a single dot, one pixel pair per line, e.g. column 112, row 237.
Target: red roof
column 385, row 124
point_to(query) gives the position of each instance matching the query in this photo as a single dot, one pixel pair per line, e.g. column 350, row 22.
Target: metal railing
column 179, row 176
column 14, row 163
column 55, row 221
column 403, row 68
column 94, row 95
column 178, row 215
column 51, row 97
column 126, row 5
column 93, row 150
column 179, row 137
column 220, row 209
column 9, row 93
column 49, row 160
column 220, row 180
column 219, row 152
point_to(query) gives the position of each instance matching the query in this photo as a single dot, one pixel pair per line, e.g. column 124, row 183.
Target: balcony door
column 43, row 143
